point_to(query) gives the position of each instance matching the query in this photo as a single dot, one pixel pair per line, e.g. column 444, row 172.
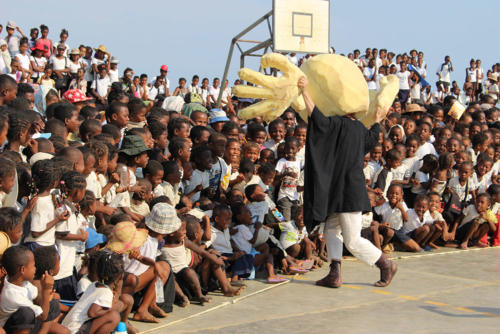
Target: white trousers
column 346, row 228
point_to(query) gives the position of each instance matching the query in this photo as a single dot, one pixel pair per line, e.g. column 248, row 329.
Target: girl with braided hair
column 43, row 217
column 97, row 311
column 19, row 133
column 69, row 236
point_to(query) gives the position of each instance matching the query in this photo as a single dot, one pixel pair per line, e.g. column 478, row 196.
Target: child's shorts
column 366, row 233
column 66, row 288
column 462, row 231
column 24, row 318
column 404, row 237
column 85, row 329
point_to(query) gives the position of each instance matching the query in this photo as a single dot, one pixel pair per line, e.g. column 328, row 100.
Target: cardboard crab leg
column 277, row 60
column 389, row 87
column 252, row 92
column 256, row 78
column 266, row 109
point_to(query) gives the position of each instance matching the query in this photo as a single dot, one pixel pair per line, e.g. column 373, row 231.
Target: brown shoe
column 333, row 279
column 387, row 271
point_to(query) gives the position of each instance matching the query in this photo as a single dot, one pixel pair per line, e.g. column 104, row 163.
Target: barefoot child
column 416, row 228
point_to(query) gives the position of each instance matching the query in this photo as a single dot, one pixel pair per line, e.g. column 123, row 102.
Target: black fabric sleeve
column 372, row 137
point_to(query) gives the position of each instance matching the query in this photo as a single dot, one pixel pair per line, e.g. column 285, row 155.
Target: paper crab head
column 336, row 86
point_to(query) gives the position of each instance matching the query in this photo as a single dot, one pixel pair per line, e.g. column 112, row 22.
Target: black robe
column 334, row 180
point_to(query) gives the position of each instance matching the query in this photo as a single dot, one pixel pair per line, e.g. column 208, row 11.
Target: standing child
column 383, row 178
column 43, row 216
column 287, row 174
column 277, row 133
column 70, row 236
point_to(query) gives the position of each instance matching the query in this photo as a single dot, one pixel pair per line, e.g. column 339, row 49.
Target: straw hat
column 74, row 51
column 413, row 107
column 126, row 237
column 493, row 76
column 4, row 242
column 101, row 48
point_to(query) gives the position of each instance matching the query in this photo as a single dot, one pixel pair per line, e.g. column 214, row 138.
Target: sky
column 193, row 36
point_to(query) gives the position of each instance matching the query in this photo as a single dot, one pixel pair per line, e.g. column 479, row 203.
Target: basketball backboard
column 301, row 26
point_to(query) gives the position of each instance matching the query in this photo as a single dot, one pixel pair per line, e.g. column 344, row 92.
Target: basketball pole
column 262, row 45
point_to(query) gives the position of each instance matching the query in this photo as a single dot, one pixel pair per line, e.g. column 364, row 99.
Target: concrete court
column 446, row 291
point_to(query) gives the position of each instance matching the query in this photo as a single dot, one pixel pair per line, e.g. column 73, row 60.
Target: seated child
column 475, row 221
column 98, row 311
column 22, row 308
column 195, row 233
column 393, row 212
column 416, row 228
column 380, row 234
column 139, row 205
column 171, row 183
column 7, row 174
column 242, row 240
column 11, row 224
column 494, row 191
column 202, row 158
column 439, row 228
column 384, row 176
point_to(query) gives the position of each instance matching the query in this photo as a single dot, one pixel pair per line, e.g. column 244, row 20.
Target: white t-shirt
column 24, row 61
column 197, row 178
column 290, row 234
column 273, row 146
column 421, row 177
column 391, row 215
column 113, row 75
column 83, row 285
column 444, row 72
column 166, row 189
column 161, row 88
column 214, row 92
column 471, row 73
column 483, row 183
column 13, row 297
column 13, row 44
column 149, row 250
column 470, row 213
column 73, row 68
column 43, row 212
column 455, row 185
column 101, row 85
column 102, row 296
column 414, row 222
column 67, row 248
column 242, row 238
column 369, row 73
column 41, row 62
column 220, row 241
column 426, row 148
column 403, row 80
column 219, row 174
column 367, row 220
column 94, row 185
column 152, row 93
column 258, row 210
column 288, row 187
column 58, row 64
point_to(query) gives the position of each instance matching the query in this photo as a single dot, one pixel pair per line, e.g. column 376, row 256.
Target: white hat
column 11, row 24
column 173, row 103
column 40, row 156
column 114, row 60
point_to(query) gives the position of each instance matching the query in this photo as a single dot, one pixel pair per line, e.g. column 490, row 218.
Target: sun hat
column 173, row 103
column 164, row 68
column 413, row 107
column 493, row 76
column 218, row 115
column 163, row 219
column 94, row 239
column 61, row 46
column 3, row 42
column 133, row 145
column 40, row 156
column 11, row 25
column 4, row 242
column 101, row 48
column 75, row 96
column 126, row 237
column 74, row 52
column 114, row 60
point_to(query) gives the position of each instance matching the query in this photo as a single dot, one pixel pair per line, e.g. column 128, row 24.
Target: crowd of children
column 119, row 200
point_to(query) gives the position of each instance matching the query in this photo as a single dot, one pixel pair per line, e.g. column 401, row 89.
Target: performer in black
column 335, row 187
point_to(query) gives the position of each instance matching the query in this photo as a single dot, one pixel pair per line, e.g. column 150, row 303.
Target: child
column 21, row 307
column 393, row 212
column 68, row 236
column 439, row 228
column 46, row 78
column 137, row 113
column 288, row 170
column 11, row 224
column 250, row 151
column 98, row 311
column 180, row 151
column 482, row 174
column 68, row 114
column 494, row 191
column 7, row 178
column 219, row 173
column 421, row 179
column 441, row 176
column 277, row 133
column 171, row 184
column 300, row 132
column 142, row 263
column 463, row 185
column 257, row 134
column 43, row 216
column 101, row 86
column 380, row 234
column 267, row 157
column 139, row 205
column 424, row 132
column 416, row 228
column 383, row 177
column 375, row 160
column 202, row 158
column 89, row 129
column 475, row 221
column 243, row 238
column 117, row 115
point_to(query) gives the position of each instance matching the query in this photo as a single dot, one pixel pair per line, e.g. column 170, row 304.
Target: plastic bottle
column 160, row 297
column 81, row 244
column 124, row 177
column 121, row 328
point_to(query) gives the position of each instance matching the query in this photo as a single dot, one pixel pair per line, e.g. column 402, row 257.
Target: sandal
column 307, row 264
column 297, row 270
column 277, row 279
